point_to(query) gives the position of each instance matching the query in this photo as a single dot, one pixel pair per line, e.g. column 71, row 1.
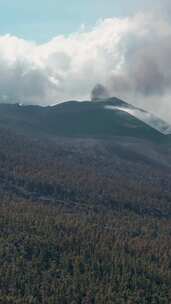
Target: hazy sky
column 52, row 51
column 40, row 20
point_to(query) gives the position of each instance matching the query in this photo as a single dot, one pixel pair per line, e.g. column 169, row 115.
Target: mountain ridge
column 79, row 119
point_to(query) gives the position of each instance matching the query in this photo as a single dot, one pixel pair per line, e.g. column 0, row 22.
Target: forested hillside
column 84, row 221
column 51, row 253
column 85, row 206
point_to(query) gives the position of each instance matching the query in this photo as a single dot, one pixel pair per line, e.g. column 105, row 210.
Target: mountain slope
column 77, row 119
column 149, row 118
column 84, row 206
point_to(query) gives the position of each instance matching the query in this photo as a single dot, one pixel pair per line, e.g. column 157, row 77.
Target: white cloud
column 131, row 56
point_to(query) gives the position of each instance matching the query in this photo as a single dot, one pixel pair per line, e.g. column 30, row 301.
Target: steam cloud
column 130, row 57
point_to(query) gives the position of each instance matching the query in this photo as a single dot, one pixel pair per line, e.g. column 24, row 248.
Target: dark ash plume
column 99, row 92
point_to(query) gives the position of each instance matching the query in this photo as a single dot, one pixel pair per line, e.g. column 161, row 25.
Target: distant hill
column 98, row 119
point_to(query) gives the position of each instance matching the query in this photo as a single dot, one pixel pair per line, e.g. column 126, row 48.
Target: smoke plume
column 99, row 92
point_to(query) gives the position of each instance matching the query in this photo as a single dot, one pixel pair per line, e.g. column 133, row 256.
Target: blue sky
column 40, row 20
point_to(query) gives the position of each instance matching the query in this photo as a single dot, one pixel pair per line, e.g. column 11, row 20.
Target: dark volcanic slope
column 101, row 173
column 81, row 123
column 76, row 119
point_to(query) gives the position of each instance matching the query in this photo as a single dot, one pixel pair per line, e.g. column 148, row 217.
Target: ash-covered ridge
column 147, row 117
